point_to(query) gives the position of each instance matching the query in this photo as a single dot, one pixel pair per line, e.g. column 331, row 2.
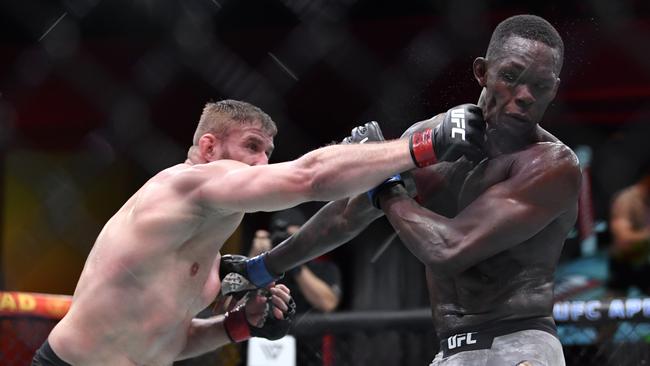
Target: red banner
column 13, row 303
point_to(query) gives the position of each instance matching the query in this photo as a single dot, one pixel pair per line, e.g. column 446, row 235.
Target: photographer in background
column 315, row 286
column 630, row 228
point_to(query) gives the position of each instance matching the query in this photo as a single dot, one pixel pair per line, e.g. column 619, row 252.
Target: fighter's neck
column 497, row 143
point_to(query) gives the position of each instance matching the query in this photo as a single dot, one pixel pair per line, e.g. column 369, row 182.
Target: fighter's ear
column 480, row 70
column 208, row 146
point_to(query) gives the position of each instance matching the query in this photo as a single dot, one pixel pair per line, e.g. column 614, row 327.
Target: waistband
column 482, row 336
column 45, row 356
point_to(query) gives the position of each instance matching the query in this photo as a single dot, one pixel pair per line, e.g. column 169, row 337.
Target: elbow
column 332, row 302
column 443, row 266
column 447, row 261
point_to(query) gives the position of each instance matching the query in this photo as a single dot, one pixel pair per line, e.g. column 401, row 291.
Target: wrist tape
column 236, row 325
column 421, row 146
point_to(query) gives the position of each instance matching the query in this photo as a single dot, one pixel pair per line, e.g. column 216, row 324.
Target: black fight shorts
column 530, row 342
column 45, row 356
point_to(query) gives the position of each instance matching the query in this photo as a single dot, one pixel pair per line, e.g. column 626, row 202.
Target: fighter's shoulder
column 555, row 152
column 222, row 165
column 553, row 159
column 188, row 176
column 427, row 123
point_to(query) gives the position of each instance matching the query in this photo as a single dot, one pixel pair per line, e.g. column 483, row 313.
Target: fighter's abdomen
column 476, row 297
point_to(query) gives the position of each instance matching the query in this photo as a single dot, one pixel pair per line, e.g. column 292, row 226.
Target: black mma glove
column 239, row 329
column 239, row 273
column 369, row 132
column 461, row 133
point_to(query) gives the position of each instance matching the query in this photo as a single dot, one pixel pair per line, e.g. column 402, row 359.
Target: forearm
column 427, row 235
column 337, row 171
column 332, row 226
column 204, row 335
column 318, row 293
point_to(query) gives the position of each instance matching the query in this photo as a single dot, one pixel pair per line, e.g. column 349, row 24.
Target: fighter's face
column 249, row 144
column 519, row 85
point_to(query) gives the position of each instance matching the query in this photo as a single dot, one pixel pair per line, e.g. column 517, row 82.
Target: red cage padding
column 26, row 319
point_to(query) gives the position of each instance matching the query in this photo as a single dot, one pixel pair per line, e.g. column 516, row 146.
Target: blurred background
column 98, row 96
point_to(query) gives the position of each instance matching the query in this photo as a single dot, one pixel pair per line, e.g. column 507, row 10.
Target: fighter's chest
column 449, row 187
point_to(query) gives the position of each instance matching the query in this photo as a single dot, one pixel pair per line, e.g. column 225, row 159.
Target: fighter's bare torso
column 153, row 267
column 513, row 284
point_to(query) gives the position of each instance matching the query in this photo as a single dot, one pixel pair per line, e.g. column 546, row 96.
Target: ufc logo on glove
column 458, row 120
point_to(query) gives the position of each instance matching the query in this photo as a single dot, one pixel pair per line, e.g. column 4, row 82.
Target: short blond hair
column 218, row 117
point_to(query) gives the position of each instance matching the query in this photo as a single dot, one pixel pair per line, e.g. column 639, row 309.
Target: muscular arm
column 506, row 214
column 334, row 225
column 205, row 335
column 324, row 174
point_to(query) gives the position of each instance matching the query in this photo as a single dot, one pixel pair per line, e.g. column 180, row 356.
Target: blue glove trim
column 397, row 178
column 258, row 274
